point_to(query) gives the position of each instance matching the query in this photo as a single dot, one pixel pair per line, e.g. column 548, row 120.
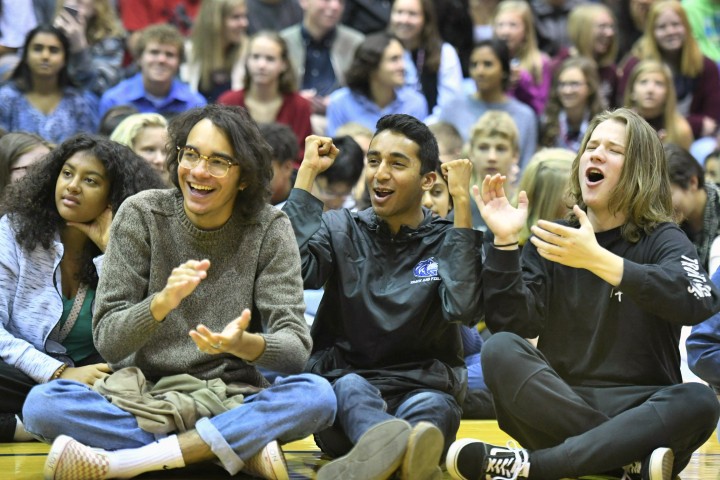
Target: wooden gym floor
column 24, row 461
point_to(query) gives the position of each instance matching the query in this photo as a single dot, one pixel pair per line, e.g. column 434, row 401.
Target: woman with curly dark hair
column 213, row 252
column 52, row 238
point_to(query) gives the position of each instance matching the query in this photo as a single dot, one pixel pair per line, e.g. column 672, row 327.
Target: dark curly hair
column 30, row 202
column 22, row 76
column 250, row 150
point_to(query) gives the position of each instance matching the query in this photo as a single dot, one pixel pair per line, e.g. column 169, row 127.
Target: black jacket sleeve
column 313, row 237
column 460, row 268
column 672, row 285
column 514, row 299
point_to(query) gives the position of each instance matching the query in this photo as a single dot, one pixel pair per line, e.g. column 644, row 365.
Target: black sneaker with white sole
column 470, row 459
column 657, row 466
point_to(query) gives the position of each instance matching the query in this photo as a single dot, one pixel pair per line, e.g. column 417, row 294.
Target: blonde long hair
column 670, row 116
column 127, row 131
column 209, row 49
column 545, row 180
column 581, row 22
column 643, row 191
column 646, row 48
column 528, row 52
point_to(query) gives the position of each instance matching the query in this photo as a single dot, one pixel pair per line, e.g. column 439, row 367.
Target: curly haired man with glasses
column 186, row 268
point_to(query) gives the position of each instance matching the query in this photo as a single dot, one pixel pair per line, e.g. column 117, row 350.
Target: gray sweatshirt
column 254, row 264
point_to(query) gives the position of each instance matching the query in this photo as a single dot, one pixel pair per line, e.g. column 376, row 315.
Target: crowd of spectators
column 511, row 85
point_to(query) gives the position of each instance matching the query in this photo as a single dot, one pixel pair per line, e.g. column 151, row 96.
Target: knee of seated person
column 321, row 393
column 497, row 351
column 434, row 401
column 697, row 406
column 705, row 402
column 349, row 381
column 313, row 382
column 41, row 417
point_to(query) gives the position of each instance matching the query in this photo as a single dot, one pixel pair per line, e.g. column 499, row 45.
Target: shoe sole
column 450, row 460
column 377, row 454
column 661, row 464
column 422, row 457
column 276, row 458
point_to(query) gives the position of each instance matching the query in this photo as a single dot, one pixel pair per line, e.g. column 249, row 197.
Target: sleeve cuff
column 503, row 260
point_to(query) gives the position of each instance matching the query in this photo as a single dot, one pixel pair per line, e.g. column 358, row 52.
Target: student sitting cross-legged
column 184, row 270
column 607, row 292
column 398, row 282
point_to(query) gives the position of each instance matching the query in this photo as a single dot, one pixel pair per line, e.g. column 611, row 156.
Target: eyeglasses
column 571, row 85
column 216, row 166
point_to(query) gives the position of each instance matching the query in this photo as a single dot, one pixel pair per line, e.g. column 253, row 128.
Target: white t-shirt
column 17, row 19
column 714, row 256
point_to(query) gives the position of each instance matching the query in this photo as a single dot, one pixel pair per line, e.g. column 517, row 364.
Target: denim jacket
column 703, row 347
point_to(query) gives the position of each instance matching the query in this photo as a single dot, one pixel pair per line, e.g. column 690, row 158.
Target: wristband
column 505, row 245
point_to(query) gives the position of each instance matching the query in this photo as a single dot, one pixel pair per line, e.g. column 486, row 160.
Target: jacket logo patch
column 426, row 271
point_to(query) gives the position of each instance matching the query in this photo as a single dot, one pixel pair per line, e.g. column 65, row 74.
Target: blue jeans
column 476, row 379
column 292, row 408
column 361, row 406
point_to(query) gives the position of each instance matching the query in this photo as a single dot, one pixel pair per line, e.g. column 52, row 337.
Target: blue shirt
column 76, row 113
column 703, row 346
column 349, row 106
column 132, row 91
column 464, row 110
column 319, row 72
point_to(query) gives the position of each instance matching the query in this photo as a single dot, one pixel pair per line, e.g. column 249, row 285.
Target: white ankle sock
column 21, row 435
column 163, row 454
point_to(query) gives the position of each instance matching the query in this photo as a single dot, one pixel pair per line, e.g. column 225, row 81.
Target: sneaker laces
column 508, row 463
column 632, row 471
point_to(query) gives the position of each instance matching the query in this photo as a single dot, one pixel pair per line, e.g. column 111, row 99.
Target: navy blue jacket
column 393, row 305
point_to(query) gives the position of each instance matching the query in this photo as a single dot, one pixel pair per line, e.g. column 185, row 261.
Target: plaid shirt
column 711, row 224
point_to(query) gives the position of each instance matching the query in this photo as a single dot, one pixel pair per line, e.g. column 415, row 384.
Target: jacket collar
column 381, row 228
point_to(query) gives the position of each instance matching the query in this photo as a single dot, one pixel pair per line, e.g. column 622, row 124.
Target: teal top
column 79, row 342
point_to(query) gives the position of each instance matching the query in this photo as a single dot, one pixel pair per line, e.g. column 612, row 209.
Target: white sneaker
column 69, row 459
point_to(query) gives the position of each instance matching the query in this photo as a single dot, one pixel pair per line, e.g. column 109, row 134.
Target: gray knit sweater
column 254, row 264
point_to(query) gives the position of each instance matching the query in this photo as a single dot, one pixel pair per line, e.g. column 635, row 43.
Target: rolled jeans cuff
column 222, row 450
